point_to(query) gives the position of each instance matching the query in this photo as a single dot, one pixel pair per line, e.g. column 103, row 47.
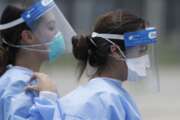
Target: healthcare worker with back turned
column 117, row 50
column 28, row 39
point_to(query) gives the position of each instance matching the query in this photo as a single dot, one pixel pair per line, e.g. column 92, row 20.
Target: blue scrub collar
column 112, row 80
column 26, row 70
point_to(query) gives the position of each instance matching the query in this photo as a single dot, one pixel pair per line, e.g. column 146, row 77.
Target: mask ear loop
column 108, row 40
column 27, row 47
column 92, row 41
column 30, row 47
column 119, row 49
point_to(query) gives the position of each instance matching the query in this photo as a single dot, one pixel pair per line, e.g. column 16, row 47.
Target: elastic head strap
column 11, row 24
column 108, row 36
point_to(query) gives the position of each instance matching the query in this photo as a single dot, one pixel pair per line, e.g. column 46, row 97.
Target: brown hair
column 115, row 22
column 11, row 35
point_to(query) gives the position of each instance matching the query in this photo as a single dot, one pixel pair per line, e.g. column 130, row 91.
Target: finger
column 32, row 79
column 36, row 77
column 40, row 76
column 32, row 88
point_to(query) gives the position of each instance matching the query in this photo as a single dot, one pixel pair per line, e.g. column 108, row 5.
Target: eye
column 51, row 26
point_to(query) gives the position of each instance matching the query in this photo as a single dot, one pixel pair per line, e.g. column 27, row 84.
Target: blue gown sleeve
column 14, row 101
column 17, row 105
column 93, row 109
column 47, row 107
column 20, row 107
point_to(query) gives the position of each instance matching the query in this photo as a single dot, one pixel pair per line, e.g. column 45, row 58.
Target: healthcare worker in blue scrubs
column 28, row 39
column 118, row 50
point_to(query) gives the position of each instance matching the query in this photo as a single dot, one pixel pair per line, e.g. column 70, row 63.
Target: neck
column 115, row 71
column 29, row 61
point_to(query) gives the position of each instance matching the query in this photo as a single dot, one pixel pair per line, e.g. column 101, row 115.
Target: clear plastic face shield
column 140, row 57
column 51, row 38
column 51, row 30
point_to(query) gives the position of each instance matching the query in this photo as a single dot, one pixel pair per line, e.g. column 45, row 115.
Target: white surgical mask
column 137, row 68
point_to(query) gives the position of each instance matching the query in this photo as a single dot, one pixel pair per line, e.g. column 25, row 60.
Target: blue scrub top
column 101, row 99
column 15, row 104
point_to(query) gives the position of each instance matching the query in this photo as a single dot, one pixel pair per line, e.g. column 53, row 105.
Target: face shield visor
column 50, row 28
column 141, row 58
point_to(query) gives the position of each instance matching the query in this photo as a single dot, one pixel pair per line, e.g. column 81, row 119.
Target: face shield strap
column 11, row 24
column 92, row 41
column 107, row 37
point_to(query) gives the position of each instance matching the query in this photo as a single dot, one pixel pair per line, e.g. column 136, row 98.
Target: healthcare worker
column 28, row 39
column 117, row 50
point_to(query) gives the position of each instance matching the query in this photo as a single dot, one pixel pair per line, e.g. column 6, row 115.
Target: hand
column 43, row 83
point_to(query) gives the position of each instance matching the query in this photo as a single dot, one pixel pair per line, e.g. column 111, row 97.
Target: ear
column 27, row 37
column 116, row 53
column 113, row 49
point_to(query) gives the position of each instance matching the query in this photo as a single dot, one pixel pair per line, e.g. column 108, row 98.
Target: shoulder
column 93, row 91
column 13, row 82
column 14, row 99
column 13, row 75
column 91, row 102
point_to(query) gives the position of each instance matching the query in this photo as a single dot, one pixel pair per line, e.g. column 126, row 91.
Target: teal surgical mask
column 56, row 47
